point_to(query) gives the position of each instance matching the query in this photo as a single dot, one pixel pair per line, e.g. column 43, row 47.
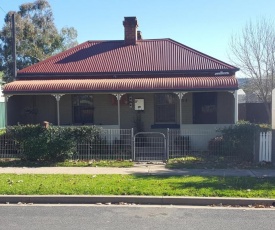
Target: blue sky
column 205, row 25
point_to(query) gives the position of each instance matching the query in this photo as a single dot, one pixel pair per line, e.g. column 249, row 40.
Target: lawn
column 30, row 184
column 214, row 162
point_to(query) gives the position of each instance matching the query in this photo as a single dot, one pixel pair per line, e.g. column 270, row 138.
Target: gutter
column 142, row 200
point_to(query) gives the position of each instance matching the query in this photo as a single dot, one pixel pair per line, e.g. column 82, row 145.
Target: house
column 156, row 83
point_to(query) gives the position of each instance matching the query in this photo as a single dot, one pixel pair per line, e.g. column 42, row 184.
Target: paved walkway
column 152, row 169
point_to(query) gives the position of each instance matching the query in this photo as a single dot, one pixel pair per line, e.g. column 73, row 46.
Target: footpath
column 147, row 169
column 152, row 169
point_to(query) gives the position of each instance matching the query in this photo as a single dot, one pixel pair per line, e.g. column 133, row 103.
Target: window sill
column 165, row 126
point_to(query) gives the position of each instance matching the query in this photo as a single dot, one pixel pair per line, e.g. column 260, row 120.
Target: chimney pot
column 139, row 35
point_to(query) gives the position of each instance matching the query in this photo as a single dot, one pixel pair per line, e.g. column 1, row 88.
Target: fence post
column 273, row 147
column 262, row 145
column 269, row 137
column 167, row 144
column 132, row 144
column 265, row 147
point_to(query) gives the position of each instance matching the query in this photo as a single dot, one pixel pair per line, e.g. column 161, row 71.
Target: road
column 121, row 217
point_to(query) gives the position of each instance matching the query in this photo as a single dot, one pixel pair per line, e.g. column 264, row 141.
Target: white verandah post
column 118, row 97
column 236, row 114
column 57, row 97
column 180, row 95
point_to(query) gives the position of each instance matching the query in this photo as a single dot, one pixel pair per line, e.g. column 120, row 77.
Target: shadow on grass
column 19, row 163
column 217, row 185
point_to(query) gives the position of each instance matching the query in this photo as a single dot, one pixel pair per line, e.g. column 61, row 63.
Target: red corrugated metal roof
column 124, row 85
column 158, row 55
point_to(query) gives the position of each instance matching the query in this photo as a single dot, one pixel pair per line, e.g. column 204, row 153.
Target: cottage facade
column 148, row 84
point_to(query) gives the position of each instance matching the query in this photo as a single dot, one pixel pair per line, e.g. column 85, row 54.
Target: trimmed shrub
column 236, row 140
column 51, row 144
column 31, row 140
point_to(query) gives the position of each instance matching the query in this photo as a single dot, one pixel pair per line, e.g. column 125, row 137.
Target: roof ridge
column 141, row 40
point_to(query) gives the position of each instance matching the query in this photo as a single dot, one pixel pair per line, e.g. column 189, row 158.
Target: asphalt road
column 30, row 217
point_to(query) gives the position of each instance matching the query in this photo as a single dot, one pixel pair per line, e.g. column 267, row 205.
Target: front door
column 205, row 108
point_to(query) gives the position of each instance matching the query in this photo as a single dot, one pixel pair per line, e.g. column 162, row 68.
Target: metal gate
column 150, row 146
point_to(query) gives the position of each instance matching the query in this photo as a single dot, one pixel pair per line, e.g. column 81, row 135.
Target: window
column 165, row 108
column 83, row 109
column 205, row 108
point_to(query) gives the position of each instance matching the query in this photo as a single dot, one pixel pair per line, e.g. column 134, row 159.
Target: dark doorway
column 205, row 108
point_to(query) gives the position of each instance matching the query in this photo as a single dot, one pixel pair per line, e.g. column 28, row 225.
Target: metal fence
column 8, row 148
column 114, row 144
column 150, row 146
column 212, row 144
column 111, row 144
column 189, row 142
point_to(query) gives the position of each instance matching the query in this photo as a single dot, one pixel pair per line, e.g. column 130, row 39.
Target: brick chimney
column 130, row 30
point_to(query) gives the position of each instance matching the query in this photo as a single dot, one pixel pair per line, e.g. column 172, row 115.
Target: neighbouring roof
column 114, row 57
column 122, row 85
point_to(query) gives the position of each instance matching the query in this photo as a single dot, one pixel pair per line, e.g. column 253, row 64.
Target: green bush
column 31, row 140
column 51, row 144
column 2, row 132
column 236, row 140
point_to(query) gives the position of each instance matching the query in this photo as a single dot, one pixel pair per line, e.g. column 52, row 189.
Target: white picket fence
column 265, row 146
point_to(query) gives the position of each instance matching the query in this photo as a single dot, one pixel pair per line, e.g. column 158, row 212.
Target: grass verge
column 31, row 184
column 99, row 163
column 214, row 162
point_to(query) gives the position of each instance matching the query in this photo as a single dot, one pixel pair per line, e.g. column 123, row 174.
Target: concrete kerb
column 142, row 200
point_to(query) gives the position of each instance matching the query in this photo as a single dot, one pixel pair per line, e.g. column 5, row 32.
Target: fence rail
column 112, row 144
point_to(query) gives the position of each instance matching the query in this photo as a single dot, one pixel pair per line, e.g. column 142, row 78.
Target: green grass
column 99, row 163
column 31, row 184
column 213, row 162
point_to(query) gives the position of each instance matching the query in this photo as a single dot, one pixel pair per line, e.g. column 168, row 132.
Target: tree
column 253, row 51
column 37, row 38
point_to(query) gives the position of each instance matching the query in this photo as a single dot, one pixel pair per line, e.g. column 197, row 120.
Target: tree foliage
column 253, row 51
column 37, row 37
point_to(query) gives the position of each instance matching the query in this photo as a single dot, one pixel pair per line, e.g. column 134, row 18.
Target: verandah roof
column 122, row 85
